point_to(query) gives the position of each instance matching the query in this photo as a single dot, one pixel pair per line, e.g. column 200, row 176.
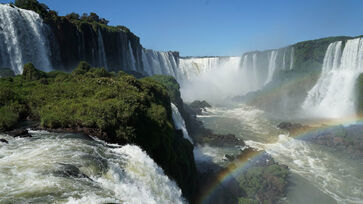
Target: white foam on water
column 68, row 168
column 23, row 39
column 330, row 174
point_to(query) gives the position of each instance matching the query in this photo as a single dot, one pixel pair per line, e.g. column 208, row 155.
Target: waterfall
column 292, row 58
column 212, row 78
column 101, row 50
column 23, row 39
column 179, row 122
column 156, row 62
column 284, row 61
column 333, row 94
column 250, row 72
column 132, row 58
column 72, row 168
column 271, row 66
column 194, row 67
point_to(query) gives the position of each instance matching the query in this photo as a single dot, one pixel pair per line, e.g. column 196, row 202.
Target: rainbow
column 242, row 162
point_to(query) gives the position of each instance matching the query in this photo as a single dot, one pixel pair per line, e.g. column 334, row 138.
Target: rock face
column 19, row 133
column 198, row 106
column 292, row 127
column 99, row 45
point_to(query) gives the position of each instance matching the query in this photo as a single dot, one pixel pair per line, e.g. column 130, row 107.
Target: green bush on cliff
column 171, row 86
column 52, row 16
column 359, row 94
column 33, row 5
column 257, row 179
column 117, row 108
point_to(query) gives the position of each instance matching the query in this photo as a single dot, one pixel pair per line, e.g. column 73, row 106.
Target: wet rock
column 4, row 141
column 212, row 139
column 198, row 106
column 292, row 127
column 229, row 157
column 69, row 170
column 19, row 133
column 339, row 137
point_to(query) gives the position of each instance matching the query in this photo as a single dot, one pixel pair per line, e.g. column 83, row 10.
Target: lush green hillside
column 115, row 107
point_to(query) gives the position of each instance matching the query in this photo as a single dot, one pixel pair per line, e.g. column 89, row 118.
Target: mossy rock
column 30, row 73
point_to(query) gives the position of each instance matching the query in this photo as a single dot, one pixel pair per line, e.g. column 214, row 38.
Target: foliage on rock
column 116, row 107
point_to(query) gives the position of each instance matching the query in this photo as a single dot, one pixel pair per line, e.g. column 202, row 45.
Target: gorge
column 109, row 121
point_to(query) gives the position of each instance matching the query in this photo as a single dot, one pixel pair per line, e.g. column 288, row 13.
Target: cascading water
column 249, row 62
column 179, row 122
column 271, row 66
column 23, row 39
column 292, row 58
column 335, row 176
column 211, row 78
column 71, row 168
column 194, row 67
column 333, row 94
column 156, row 62
column 101, row 50
column 132, row 57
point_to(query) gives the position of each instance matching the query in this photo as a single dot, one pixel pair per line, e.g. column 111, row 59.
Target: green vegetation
column 6, row 72
column 309, row 55
column 246, row 201
column 116, row 107
column 256, row 180
column 359, row 94
column 52, row 16
column 171, row 86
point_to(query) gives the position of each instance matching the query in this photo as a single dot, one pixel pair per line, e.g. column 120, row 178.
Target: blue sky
column 223, row 27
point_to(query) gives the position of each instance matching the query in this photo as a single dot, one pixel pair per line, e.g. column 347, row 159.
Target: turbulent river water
column 73, row 168
column 319, row 174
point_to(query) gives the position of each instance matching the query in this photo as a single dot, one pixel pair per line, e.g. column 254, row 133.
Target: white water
column 52, row 168
column 23, row 39
column 332, row 175
column 101, row 50
column 249, row 72
column 132, row 58
column 292, row 58
column 194, row 67
column 156, row 62
column 333, row 94
column 179, row 122
column 271, row 66
column 212, row 79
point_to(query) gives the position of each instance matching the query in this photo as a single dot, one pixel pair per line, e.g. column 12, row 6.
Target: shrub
column 31, row 73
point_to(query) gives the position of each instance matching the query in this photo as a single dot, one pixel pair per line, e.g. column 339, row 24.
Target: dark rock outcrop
column 101, row 46
column 4, row 141
column 19, row 133
column 196, row 107
column 292, row 127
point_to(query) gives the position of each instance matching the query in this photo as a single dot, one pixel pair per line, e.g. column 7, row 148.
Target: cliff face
column 99, row 45
column 294, row 71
